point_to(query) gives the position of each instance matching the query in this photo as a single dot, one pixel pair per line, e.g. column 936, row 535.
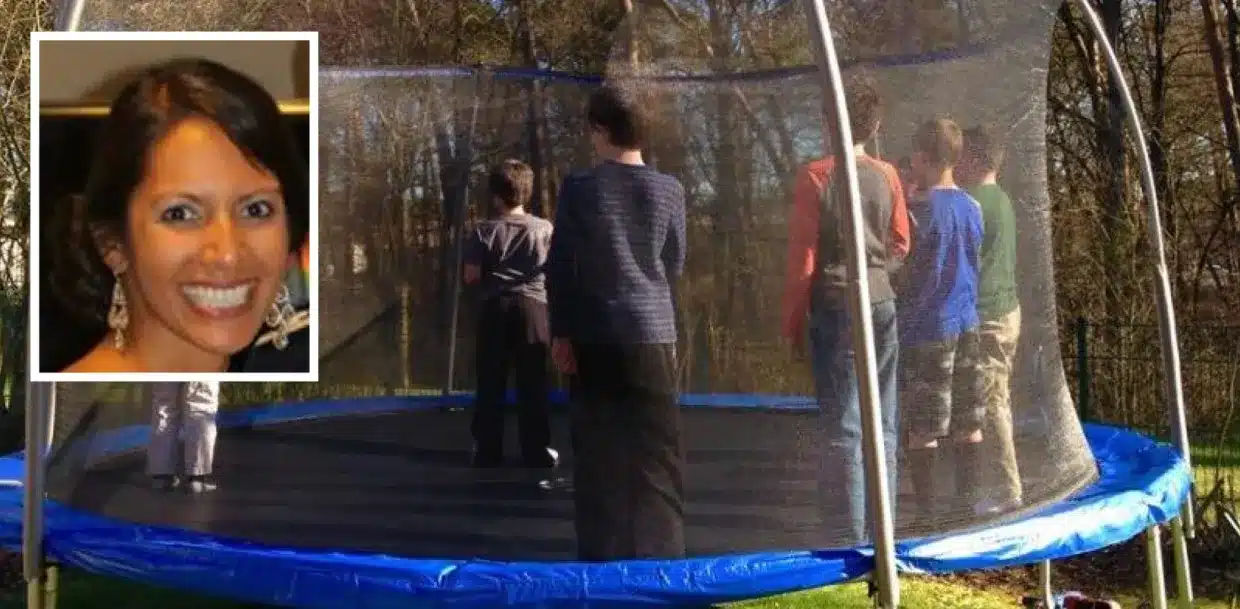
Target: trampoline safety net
column 375, row 458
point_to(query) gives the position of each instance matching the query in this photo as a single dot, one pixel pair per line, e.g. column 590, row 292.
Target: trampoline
column 369, row 502
column 291, row 501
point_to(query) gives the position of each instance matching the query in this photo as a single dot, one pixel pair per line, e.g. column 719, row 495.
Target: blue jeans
column 841, row 479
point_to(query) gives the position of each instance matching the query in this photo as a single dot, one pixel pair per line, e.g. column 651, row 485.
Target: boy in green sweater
column 999, row 311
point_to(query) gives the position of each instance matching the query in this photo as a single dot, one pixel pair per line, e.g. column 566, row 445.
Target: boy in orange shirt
column 816, row 291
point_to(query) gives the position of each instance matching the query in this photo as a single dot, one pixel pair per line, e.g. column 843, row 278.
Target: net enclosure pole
column 1044, row 582
column 1174, row 389
column 466, row 163
column 1166, row 309
column 71, row 15
column 41, row 578
column 1179, row 557
column 39, row 398
column 878, row 498
column 1154, row 568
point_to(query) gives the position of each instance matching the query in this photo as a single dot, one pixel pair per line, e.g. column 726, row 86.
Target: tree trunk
column 726, row 211
column 962, row 22
column 1226, row 81
column 1233, row 37
column 1223, row 82
column 1111, row 144
column 630, row 32
column 909, row 18
column 1156, row 138
column 1106, row 103
column 536, row 116
column 12, row 428
column 10, row 376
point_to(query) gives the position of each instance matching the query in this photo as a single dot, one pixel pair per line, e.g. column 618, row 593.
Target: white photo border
column 312, row 273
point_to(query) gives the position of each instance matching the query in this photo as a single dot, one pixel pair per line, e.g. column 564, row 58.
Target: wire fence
column 1116, row 372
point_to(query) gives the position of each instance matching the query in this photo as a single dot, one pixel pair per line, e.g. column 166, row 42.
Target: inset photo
column 174, row 193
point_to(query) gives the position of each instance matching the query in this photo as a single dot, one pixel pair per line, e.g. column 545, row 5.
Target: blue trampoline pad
column 1142, row 483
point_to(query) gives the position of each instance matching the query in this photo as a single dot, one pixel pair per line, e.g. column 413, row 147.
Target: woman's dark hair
column 144, row 111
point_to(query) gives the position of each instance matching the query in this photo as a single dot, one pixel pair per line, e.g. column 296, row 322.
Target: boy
column 904, row 167
column 617, row 252
column 817, row 288
column 938, row 319
column 507, row 255
column 998, row 309
column 183, row 412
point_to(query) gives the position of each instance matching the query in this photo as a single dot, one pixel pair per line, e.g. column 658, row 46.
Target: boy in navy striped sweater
column 616, row 253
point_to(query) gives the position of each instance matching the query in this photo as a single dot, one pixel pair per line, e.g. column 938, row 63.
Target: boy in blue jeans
column 816, row 299
column 940, row 393
column 507, row 255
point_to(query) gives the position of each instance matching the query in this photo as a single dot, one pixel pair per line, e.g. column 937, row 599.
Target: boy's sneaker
column 546, row 459
column 485, row 460
column 163, row 483
column 198, row 485
column 995, row 507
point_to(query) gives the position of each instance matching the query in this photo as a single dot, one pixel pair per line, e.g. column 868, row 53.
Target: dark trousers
column 512, row 337
column 629, row 457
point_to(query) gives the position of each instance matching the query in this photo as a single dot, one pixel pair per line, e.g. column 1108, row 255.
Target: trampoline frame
column 40, row 576
column 878, row 496
column 1182, row 527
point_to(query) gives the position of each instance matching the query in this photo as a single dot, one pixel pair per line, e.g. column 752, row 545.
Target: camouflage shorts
column 942, row 387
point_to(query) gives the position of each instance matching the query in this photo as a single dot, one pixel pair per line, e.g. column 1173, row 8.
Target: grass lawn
column 1214, row 464
column 79, row 591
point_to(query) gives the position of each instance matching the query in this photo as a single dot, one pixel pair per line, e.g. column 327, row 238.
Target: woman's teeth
column 217, row 298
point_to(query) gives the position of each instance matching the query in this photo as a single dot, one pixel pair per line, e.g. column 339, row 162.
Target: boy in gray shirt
column 506, row 256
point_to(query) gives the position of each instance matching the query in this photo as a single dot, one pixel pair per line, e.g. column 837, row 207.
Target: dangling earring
column 118, row 315
column 278, row 317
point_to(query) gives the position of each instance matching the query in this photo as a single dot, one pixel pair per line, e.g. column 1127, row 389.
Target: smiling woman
column 173, row 256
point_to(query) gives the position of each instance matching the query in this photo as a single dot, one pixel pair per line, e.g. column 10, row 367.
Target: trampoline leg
column 41, row 589
column 1183, row 576
column 1044, row 576
column 1154, row 564
column 51, row 584
column 35, row 598
column 878, row 496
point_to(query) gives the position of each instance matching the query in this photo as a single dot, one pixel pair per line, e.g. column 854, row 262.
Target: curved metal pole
column 1166, row 308
column 1044, row 582
column 878, row 494
column 38, row 397
column 1154, row 568
column 40, row 417
column 458, row 251
column 73, row 17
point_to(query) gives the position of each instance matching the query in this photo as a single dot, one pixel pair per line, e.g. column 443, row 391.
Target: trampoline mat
column 399, row 483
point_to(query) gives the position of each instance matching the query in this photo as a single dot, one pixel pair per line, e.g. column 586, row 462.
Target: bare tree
column 1223, row 81
column 536, row 112
column 19, row 18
